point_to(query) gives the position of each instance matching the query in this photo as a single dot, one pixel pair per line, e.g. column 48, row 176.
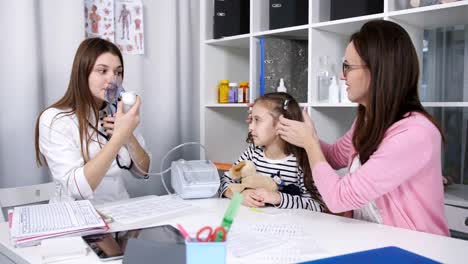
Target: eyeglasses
column 348, row 67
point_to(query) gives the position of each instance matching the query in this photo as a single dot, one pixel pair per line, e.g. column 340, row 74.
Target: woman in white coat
column 87, row 150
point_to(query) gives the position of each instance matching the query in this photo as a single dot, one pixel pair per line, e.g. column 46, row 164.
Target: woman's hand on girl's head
column 251, row 199
column 125, row 123
column 273, row 198
column 298, row 133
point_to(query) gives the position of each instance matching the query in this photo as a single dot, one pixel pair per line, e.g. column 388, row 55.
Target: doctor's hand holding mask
column 87, row 142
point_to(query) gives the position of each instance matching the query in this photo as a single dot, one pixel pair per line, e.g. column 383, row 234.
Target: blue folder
column 262, row 66
column 379, row 255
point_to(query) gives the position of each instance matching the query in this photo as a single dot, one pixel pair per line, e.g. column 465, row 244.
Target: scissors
column 212, row 233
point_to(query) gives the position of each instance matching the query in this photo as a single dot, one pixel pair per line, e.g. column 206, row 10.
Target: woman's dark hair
column 284, row 104
column 78, row 98
column 390, row 56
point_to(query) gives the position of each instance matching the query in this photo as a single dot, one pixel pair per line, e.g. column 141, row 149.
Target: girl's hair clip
column 285, row 105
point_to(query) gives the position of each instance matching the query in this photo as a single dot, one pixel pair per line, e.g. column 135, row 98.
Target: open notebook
column 31, row 224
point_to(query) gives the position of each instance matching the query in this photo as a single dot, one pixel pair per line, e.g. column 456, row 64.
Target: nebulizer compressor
column 189, row 178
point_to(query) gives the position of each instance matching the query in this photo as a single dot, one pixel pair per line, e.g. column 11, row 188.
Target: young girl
column 273, row 157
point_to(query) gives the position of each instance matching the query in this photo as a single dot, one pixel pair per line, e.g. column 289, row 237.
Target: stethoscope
column 117, row 157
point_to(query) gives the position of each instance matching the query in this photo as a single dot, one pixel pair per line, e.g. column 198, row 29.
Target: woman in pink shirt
column 393, row 149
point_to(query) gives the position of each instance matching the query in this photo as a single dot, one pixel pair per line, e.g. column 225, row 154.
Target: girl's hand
column 273, row 198
column 125, row 123
column 301, row 134
column 249, row 112
column 251, row 199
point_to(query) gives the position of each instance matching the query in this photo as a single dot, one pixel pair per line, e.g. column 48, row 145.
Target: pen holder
column 205, row 252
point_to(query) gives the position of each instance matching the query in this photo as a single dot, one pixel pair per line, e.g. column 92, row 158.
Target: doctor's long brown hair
column 78, row 99
column 275, row 102
column 387, row 50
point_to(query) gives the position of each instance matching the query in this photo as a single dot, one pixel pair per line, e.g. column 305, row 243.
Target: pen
column 184, row 232
column 230, row 214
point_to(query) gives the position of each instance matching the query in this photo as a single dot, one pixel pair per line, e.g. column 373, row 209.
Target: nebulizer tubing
column 161, row 172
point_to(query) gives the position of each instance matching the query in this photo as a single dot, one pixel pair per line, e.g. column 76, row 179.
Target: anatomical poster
column 129, row 35
column 99, row 19
column 119, row 21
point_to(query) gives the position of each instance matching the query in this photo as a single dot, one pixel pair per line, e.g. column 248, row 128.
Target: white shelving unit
column 223, row 126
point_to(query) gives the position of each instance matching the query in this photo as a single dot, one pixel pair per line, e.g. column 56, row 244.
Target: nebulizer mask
column 116, row 90
column 113, row 92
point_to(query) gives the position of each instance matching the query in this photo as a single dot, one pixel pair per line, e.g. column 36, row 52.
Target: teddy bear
column 246, row 172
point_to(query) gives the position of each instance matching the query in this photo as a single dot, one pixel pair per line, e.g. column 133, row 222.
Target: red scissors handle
column 219, row 230
column 201, row 237
column 211, row 235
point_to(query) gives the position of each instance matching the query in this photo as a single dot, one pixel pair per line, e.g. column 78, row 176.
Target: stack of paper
column 31, row 224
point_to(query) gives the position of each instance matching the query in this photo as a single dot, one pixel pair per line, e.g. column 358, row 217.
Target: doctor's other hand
column 125, row 123
column 251, row 199
column 298, row 133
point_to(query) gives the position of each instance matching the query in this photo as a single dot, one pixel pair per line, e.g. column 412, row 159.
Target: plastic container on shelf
column 324, row 77
column 233, row 90
column 245, row 91
column 281, row 88
column 333, row 91
column 223, row 92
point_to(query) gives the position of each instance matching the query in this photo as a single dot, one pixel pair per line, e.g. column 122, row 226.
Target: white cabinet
column 236, row 58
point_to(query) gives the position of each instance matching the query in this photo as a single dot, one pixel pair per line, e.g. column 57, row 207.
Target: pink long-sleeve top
column 403, row 176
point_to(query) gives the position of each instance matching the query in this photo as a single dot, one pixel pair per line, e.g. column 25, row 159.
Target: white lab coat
column 59, row 142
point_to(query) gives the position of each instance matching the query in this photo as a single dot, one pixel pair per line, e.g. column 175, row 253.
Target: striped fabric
column 289, row 173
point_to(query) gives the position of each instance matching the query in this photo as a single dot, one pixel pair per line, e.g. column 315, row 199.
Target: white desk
column 337, row 235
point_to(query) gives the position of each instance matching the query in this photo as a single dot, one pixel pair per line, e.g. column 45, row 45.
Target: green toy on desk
column 230, row 214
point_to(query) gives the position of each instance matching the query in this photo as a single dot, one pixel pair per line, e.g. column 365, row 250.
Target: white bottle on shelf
column 333, row 91
column 323, row 80
column 281, row 88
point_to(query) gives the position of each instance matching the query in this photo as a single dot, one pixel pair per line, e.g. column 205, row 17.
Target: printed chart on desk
column 272, row 243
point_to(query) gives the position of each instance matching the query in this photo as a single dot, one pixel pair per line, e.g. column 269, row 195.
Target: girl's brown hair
column 284, row 104
column 78, row 99
column 390, row 56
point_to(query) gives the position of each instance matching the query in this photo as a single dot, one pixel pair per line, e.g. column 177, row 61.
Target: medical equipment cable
column 161, row 172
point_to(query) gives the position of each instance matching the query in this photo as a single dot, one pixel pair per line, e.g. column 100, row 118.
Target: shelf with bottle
column 325, row 68
column 222, row 62
column 276, row 58
column 439, row 15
